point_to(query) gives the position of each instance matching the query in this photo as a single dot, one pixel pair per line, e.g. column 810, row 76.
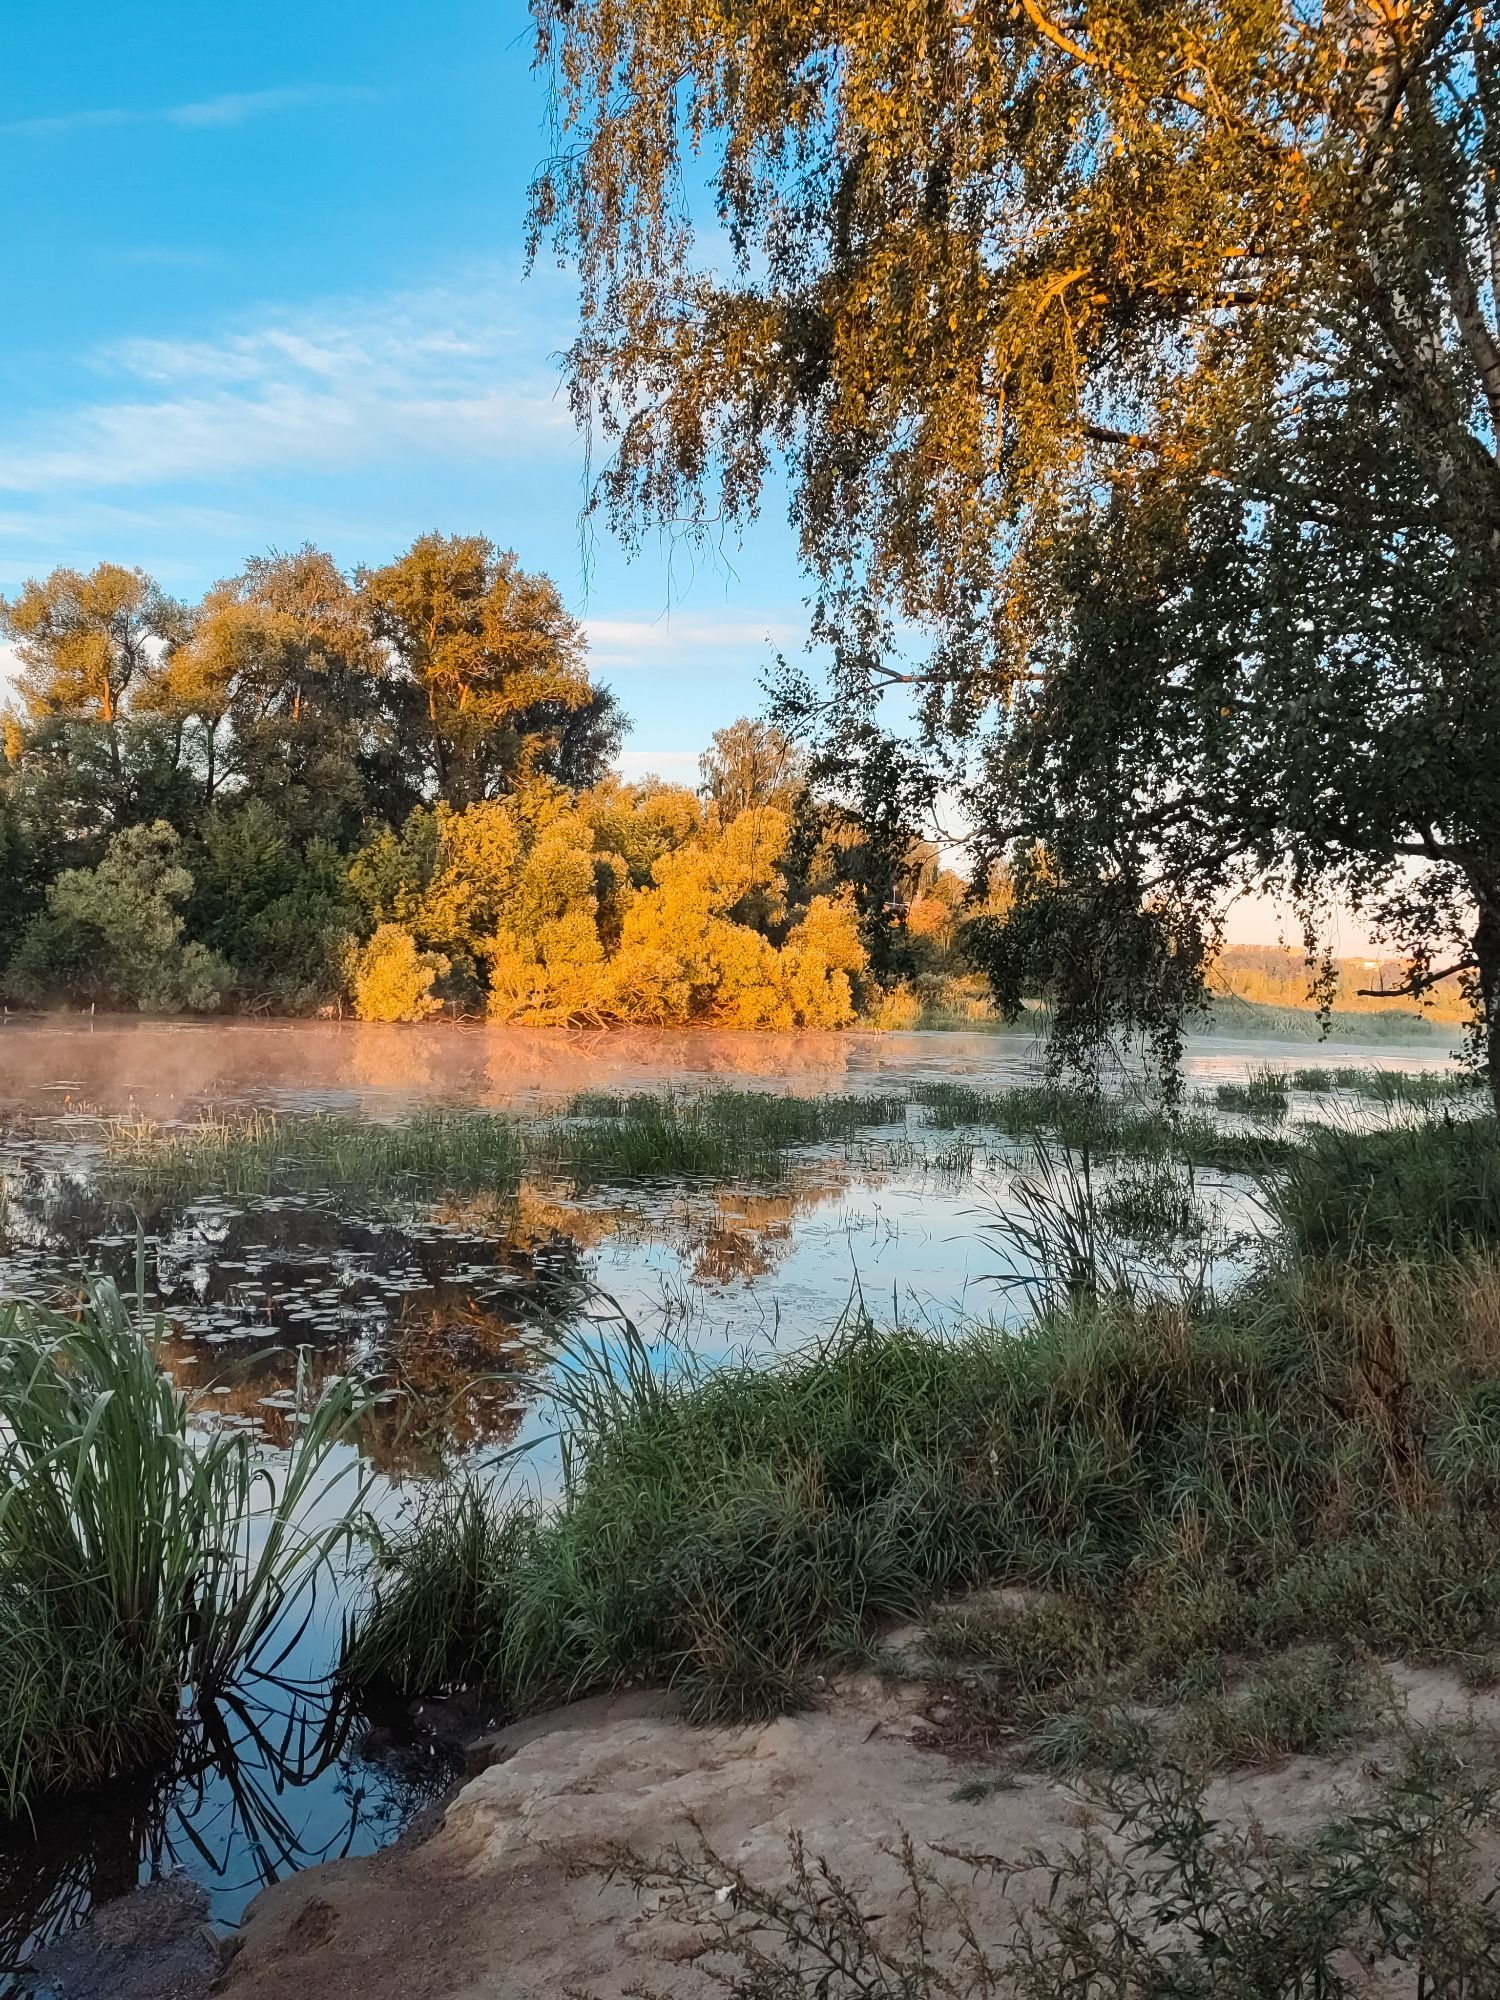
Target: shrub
column 393, row 979
column 114, row 933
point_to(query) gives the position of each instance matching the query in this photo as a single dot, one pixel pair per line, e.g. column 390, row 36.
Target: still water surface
column 452, row 1311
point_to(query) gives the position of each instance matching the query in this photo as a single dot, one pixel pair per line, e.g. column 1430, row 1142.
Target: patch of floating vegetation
column 718, row 1135
column 1385, row 1086
column 1084, row 1121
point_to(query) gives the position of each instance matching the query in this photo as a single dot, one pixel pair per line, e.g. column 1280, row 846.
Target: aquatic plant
column 434, row 1152
column 722, row 1133
column 141, row 1558
column 1080, row 1119
column 1312, row 1461
column 1262, row 1094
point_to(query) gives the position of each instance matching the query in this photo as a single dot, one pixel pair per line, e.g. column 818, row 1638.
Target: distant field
column 1271, row 977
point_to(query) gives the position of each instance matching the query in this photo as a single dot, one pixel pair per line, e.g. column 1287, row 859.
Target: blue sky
column 266, row 286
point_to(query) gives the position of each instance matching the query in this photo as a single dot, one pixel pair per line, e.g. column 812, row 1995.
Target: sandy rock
column 507, row 1900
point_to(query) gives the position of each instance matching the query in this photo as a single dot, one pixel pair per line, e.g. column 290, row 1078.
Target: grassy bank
column 1314, row 1462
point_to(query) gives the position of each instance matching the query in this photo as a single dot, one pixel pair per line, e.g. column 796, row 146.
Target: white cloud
column 234, row 107
column 684, row 642
column 428, row 375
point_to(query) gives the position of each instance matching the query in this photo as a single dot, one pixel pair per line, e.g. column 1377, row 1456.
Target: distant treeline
column 1276, row 976
column 393, row 793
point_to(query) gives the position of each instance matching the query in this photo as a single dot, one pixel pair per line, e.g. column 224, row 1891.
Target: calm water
column 452, row 1312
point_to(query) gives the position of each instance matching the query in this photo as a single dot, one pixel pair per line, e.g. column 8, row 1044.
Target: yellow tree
column 494, row 661
column 85, row 639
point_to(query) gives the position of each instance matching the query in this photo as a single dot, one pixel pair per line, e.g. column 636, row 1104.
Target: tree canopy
column 394, row 790
column 1143, row 360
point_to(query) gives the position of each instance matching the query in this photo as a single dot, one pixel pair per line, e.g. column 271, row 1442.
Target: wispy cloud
column 444, row 374
column 235, row 107
column 626, row 643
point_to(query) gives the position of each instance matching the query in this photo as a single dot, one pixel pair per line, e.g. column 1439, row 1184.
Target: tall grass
column 1262, row 1095
column 1315, row 1460
column 139, row 1557
column 1423, row 1088
column 1414, row 1191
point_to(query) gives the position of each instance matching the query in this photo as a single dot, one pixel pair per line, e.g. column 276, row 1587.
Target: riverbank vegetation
column 1177, row 1491
column 392, row 796
column 719, row 1135
column 144, row 1563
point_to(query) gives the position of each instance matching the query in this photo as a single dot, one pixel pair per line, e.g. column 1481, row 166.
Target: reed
column 141, row 1558
column 434, row 1152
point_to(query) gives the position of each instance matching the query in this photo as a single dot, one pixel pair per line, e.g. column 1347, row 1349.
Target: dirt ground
column 503, row 1902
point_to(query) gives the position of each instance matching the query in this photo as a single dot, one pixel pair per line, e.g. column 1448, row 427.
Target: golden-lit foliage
column 82, row 640
column 619, row 903
column 392, row 979
column 1273, row 976
column 484, row 642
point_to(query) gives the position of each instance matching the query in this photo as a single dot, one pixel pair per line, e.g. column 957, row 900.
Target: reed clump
column 144, row 1563
column 1415, row 1191
column 438, row 1151
column 713, row 1133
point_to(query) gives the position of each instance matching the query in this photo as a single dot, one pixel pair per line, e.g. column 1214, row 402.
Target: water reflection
column 270, row 1780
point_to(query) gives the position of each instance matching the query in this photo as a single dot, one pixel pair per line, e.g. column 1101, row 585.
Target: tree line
column 393, row 792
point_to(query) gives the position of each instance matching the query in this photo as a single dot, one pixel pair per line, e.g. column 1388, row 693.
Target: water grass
column 1263, row 1094
column 714, row 1134
column 1313, row 1461
column 1083, row 1120
column 1422, row 1088
column 142, row 1561
column 436, row 1151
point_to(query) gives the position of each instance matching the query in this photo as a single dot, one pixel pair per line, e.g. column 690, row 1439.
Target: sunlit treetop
column 966, row 250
